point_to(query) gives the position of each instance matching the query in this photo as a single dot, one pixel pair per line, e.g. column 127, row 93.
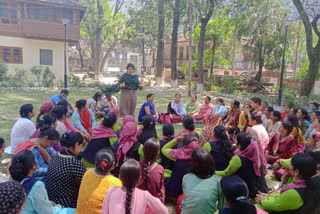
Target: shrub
column 48, row 77
column 75, row 80
column 60, row 84
column 20, row 74
column 36, row 70
column 3, row 70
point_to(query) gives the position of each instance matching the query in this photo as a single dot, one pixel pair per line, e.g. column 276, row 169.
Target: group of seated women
column 83, row 168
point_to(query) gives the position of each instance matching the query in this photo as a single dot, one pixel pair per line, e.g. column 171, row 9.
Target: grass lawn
column 11, row 100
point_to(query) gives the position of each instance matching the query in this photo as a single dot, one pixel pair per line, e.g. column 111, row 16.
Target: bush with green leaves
column 20, row 74
column 75, row 80
column 3, row 70
column 36, row 70
column 48, row 77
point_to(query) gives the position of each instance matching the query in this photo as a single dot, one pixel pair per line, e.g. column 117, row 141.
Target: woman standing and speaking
column 129, row 84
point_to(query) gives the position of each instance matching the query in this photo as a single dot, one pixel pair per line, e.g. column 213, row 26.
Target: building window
column 45, row 57
column 36, row 11
column 56, row 14
column 65, row 13
column 75, row 17
column 134, row 59
column 11, row 55
column 14, row 17
column 4, row 13
column 46, row 14
column 27, row 11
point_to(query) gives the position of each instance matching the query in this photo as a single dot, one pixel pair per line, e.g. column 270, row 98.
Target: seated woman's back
column 65, row 171
column 201, row 188
column 96, row 182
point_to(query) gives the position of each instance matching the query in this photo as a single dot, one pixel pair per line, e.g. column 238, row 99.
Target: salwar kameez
column 128, row 102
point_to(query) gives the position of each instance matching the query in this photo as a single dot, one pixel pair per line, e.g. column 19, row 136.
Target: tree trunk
column 309, row 80
column 261, row 62
column 143, row 72
column 107, row 54
column 212, row 56
column 160, row 50
column 80, row 55
column 175, row 28
column 203, row 26
column 97, row 46
column 234, row 53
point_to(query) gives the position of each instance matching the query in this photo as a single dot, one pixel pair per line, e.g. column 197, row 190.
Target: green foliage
column 48, row 77
column 228, row 84
column 20, row 74
column 75, row 80
column 3, row 70
column 60, row 84
column 36, row 70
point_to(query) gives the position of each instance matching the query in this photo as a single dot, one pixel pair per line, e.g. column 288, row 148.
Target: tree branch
column 307, row 26
column 314, row 24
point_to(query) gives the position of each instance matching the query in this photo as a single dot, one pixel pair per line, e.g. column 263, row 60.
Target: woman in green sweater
column 291, row 197
column 192, row 106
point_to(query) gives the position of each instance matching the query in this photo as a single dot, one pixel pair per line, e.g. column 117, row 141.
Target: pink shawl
column 114, row 111
column 102, row 132
column 184, row 152
column 185, row 131
column 127, row 139
column 252, row 153
column 126, row 119
column 204, row 111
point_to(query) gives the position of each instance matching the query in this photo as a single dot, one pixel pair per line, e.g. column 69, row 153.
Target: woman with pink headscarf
column 127, row 146
column 46, row 107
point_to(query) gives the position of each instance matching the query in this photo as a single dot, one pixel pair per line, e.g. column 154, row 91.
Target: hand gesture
column 123, row 85
column 181, row 137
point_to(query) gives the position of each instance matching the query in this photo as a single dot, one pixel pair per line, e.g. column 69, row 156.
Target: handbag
column 164, row 118
column 176, row 119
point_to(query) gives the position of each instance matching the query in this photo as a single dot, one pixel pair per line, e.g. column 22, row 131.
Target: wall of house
column 31, row 54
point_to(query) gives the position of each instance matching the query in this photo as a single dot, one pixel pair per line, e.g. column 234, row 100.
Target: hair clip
column 106, row 116
column 42, row 119
column 104, row 164
column 241, row 198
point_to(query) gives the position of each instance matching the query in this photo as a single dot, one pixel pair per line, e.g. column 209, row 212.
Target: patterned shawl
column 102, row 132
column 131, row 81
column 252, row 153
column 278, row 140
column 30, row 145
column 185, row 131
column 298, row 183
column 126, row 119
column 184, row 152
column 127, row 139
column 204, row 111
column 85, row 121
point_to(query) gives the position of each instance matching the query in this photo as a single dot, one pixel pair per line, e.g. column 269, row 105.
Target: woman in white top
column 23, row 128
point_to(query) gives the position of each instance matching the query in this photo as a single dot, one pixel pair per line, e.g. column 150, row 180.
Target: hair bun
column 44, row 127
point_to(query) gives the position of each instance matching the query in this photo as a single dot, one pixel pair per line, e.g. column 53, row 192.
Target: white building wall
column 31, row 54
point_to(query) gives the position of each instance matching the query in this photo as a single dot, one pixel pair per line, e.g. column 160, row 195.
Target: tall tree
column 160, row 48
column 204, row 17
column 102, row 27
column 310, row 17
column 174, row 40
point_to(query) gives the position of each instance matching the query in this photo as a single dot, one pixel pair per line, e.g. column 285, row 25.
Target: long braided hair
column 151, row 149
column 130, row 176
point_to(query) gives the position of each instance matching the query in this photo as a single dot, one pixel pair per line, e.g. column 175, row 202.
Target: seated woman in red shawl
column 83, row 119
column 282, row 145
column 205, row 110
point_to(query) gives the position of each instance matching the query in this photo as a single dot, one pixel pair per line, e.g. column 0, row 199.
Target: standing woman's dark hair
column 151, row 149
column 236, row 192
column 21, row 165
column 188, row 123
column 25, row 110
column 81, row 104
column 220, row 133
column 69, row 140
column 48, row 119
column 148, row 131
column 104, row 161
column 168, row 131
column 130, row 65
column 130, row 176
column 295, row 123
column 96, row 96
column 202, row 163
